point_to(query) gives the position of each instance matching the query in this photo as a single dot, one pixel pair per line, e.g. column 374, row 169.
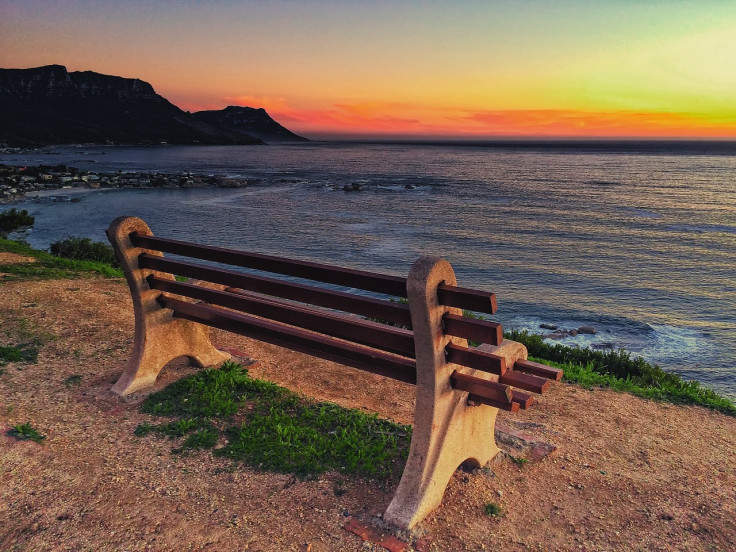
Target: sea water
column 638, row 241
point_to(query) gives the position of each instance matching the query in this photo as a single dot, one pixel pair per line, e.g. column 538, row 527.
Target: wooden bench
column 459, row 388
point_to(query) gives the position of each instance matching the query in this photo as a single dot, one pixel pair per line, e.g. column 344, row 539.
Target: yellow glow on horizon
column 472, row 68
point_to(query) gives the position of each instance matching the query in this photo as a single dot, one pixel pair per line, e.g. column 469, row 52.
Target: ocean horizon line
column 727, row 145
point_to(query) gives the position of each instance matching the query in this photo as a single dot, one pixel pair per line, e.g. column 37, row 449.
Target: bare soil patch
column 629, row 474
column 6, row 257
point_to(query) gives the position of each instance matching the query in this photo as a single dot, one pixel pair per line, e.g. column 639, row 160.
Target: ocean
column 636, row 240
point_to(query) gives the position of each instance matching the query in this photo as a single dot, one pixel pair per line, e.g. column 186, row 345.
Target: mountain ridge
column 249, row 120
column 50, row 105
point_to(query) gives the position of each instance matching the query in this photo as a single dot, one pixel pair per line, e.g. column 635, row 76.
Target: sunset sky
column 584, row 68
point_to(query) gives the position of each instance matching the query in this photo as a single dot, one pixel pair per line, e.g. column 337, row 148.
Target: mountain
column 250, row 121
column 50, row 105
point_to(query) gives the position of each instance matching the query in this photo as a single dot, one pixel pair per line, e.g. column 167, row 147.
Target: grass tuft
column 518, row 460
column 276, row 429
column 74, row 379
column 492, row 509
column 25, row 352
column 24, row 432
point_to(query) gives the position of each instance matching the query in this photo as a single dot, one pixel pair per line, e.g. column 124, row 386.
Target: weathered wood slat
column 523, row 399
column 483, row 331
column 346, row 302
column 537, row 369
column 464, row 298
column 535, row 384
column 372, row 334
column 484, row 388
column 473, row 358
column 510, row 407
column 360, row 279
column 452, row 296
column 329, row 348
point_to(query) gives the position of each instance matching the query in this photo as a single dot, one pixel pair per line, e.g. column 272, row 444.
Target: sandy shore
column 629, row 474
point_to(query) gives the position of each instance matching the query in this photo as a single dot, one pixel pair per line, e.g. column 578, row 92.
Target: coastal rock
column 586, row 330
column 548, row 326
column 17, row 182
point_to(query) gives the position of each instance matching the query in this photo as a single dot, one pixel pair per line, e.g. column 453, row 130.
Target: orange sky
column 476, row 69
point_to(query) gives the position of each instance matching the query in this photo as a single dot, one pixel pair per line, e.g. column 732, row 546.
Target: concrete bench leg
column 159, row 337
column 447, row 432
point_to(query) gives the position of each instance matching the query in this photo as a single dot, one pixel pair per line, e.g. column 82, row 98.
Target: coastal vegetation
column 42, row 265
column 84, row 249
column 617, row 370
column 14, row 220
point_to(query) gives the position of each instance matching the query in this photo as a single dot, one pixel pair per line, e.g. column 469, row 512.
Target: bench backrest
column 282, row 312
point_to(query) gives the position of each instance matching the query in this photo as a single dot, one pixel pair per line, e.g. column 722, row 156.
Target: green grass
column 269, row 427
column 492, row 509
column 617, row 370
column 518, row 460
column 24, row 432
column 74, row 379
column 50, row 267
column 26, row 352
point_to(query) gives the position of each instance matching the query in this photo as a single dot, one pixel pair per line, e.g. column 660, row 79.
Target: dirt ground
column 629, row 474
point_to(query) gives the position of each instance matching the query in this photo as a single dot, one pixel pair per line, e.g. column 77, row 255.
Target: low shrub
column 617, row 370
column 13, row 220
column 84, row 249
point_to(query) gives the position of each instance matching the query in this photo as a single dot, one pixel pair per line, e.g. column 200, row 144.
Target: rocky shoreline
column 18, row 183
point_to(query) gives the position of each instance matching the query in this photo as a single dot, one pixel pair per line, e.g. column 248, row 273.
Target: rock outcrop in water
column 250, row 121
column 50, row 105
column 17, row 183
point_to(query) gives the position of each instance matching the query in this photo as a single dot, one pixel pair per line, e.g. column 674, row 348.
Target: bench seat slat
column 372, row 334
column 510, row 407
column 473, row 358
column 477, row 386
column 329, row 348
column 535, row 384
column 346, row 302
column 537, row 369
column 485, row 392
column 465, row 298
column 483, row 331
column 524, row 400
